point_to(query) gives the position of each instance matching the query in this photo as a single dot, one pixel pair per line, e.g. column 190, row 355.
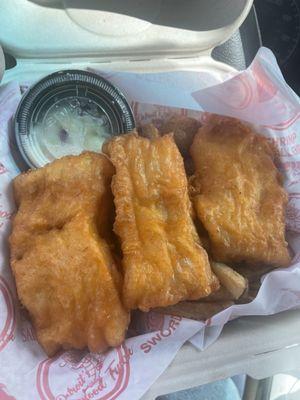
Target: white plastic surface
column 32, row 70
column 80, row 28
column 257, row 346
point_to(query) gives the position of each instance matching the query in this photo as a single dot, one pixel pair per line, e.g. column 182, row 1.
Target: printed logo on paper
column 157, row 114
column 166, row 329
column 237, row 92
column 293, row 213
column 92, row 377
column 266, row 88
column 26, row 329
column 287, row 123
column 4, row 393
column 7, row 314
column 5, row 215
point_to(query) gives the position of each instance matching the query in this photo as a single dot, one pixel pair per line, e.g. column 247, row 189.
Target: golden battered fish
column 61, row 258
column 238, row 194
column 163, row 259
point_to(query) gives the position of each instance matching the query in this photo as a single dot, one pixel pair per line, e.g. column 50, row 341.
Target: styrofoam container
column 149, row 36
column 47, row 35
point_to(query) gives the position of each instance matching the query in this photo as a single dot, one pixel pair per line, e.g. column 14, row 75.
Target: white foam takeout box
column 163, row 35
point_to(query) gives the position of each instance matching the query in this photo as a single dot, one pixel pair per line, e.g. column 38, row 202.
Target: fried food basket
column 44, row 36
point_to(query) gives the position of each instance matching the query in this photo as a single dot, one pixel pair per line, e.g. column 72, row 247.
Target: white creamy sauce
column 69, row 127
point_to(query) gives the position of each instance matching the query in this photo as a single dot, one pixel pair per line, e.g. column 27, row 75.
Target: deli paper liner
column 258, row 95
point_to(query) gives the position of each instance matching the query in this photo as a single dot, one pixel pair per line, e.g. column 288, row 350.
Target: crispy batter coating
column 238, row 194
column 65, row 273
column 163, row 260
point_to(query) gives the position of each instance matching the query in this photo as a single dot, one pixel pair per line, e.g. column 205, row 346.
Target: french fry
column 235, row 283
column 221, row 294
column 195, row 310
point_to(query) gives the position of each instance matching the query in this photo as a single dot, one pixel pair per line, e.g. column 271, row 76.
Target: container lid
column 110, row 28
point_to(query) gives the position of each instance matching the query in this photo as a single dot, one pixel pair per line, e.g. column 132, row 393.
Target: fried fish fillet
column 64, row 269
column 238, row 194
column 163, row 259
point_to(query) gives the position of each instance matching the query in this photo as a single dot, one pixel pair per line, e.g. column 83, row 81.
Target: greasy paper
column 258, row 95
